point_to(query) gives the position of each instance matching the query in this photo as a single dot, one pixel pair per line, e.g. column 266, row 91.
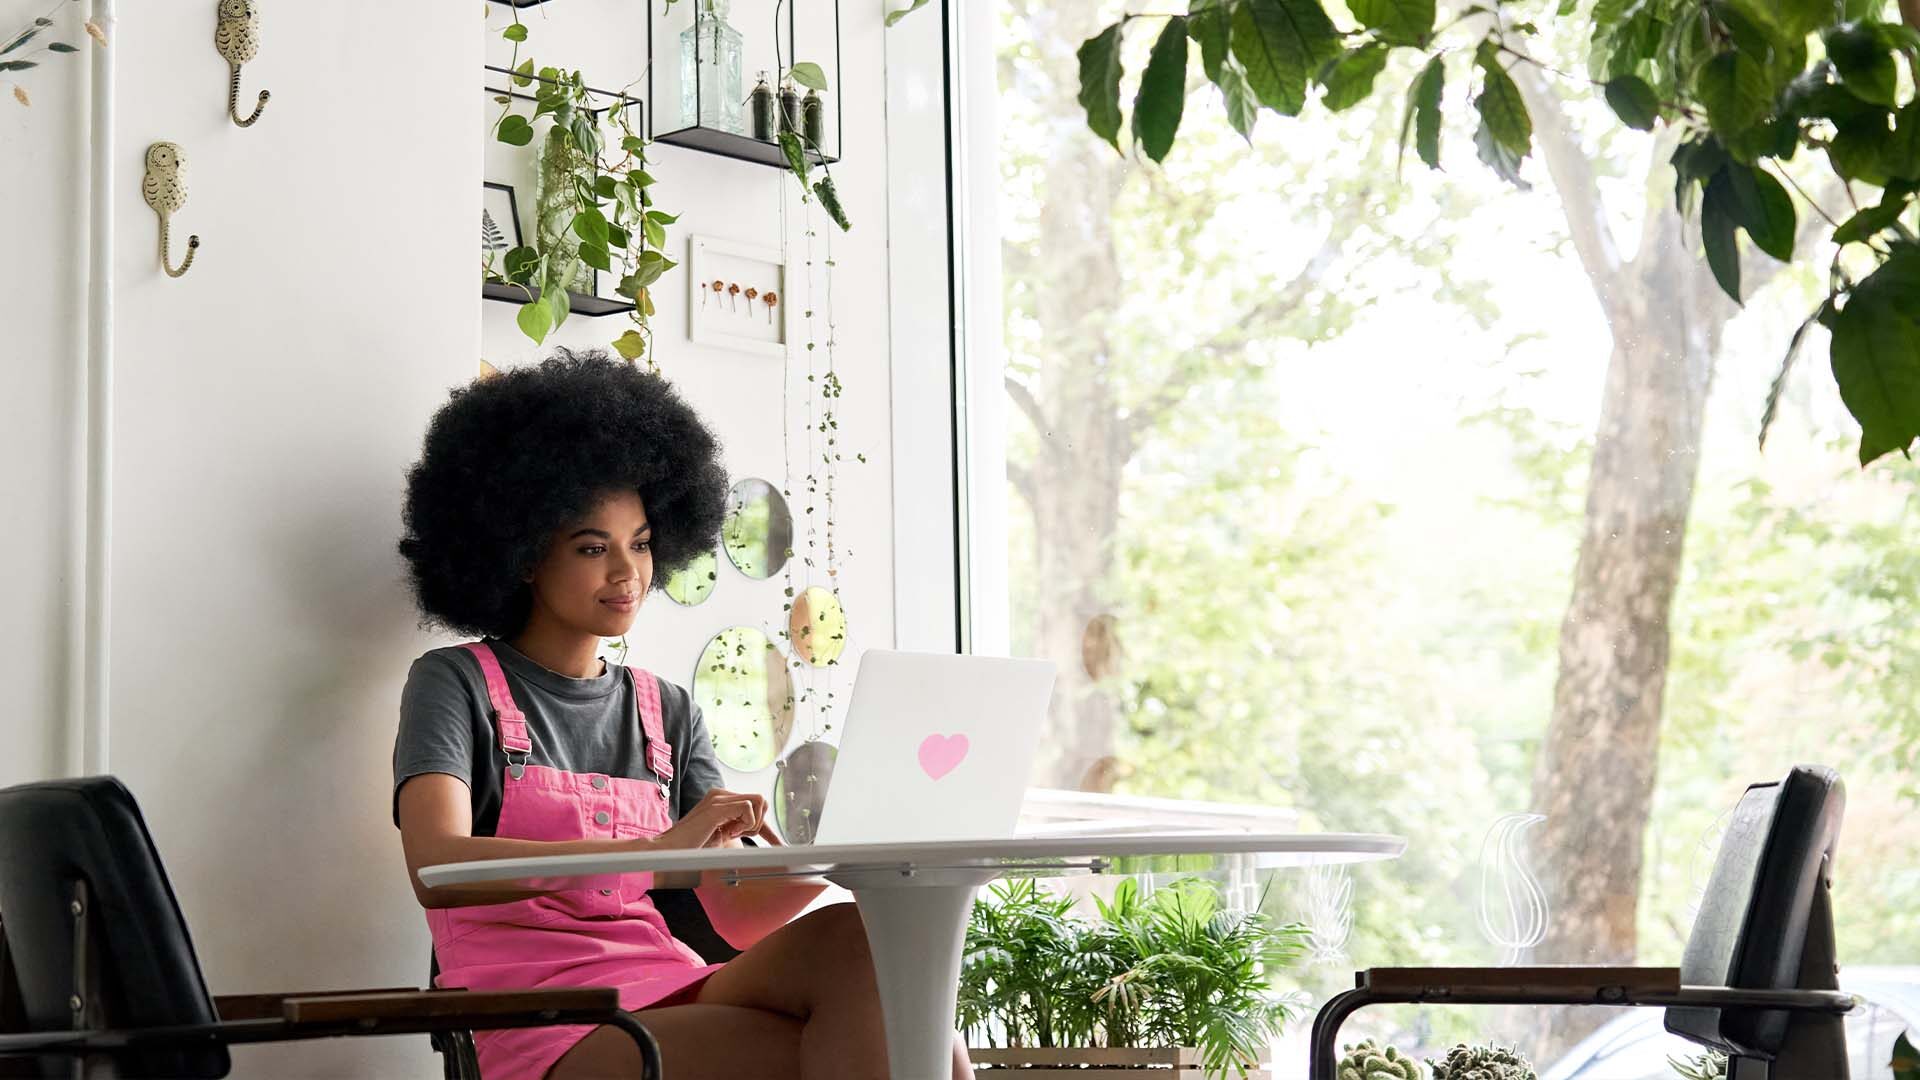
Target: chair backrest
column 1759, row 908
column 56, row 833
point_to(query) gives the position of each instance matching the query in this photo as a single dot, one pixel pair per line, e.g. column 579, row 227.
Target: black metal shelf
column 738, row 147
column 593, row 307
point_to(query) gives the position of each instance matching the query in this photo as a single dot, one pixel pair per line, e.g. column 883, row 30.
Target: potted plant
column 1167, row 980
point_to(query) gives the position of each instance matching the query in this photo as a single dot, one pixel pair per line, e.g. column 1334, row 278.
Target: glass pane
column 1418, row 502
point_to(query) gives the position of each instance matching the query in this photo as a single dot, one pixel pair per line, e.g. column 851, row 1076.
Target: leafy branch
column 1732, row 82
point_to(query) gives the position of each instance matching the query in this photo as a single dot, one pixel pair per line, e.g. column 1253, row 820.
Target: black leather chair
column 101, row 974
column 1757, row 980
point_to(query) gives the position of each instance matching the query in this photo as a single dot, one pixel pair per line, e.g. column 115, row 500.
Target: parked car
column 1637, row 1045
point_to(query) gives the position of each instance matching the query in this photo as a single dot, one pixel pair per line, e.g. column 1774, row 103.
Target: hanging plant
column 593, row 210
column 19, row 51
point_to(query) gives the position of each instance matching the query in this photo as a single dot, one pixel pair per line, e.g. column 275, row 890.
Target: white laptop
column 935, row 747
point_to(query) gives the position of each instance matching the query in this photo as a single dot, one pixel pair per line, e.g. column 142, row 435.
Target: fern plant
column 1170, row 969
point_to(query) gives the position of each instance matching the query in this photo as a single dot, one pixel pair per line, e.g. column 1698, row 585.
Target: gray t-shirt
column 579, row 725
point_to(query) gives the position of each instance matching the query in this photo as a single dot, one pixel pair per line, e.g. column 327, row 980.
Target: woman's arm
column 436, row 826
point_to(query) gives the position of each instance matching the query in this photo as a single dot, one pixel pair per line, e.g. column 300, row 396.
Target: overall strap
column 509, row 722
column 646, row 695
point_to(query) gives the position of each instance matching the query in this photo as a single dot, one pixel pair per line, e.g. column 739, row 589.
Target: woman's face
column 597, row 570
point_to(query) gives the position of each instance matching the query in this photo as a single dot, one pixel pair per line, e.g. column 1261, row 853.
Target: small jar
column 813, row 118
column 761, row 107
column 790, row 108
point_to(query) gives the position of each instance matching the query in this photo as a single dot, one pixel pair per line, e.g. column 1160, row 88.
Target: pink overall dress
column 610, row 936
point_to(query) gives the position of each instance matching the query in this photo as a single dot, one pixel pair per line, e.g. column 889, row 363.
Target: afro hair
column 513, row 457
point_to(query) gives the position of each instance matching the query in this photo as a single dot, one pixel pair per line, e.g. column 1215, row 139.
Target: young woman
column 547, row 504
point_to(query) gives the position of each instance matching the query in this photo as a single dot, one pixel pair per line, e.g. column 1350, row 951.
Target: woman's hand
column 720, row 818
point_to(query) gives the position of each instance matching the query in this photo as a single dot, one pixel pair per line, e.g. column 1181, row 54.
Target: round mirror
column 743, row 690
column 817, row 626
column 800, row 790
column 758, row 529
column 693, row 583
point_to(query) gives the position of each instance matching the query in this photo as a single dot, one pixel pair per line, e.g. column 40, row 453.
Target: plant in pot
column 1170, row 978
column 593, row 210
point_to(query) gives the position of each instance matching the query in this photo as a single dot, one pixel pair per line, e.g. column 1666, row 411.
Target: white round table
column 915, row 897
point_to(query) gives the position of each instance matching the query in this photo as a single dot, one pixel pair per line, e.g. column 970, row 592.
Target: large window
column 1414, row 502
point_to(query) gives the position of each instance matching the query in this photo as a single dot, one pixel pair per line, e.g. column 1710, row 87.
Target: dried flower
column 97, row 34
column 20, row 95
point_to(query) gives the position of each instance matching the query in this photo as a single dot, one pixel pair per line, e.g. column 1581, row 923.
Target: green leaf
column 603, row 186
column 1734, row 90
column 633, row 144
column 830, row 199
column 1163, row 91
column 535, row 320
column 655, row 232
column 1764, row 209
column 1401, row 22
column 18, row 65
column 1100, row 83
column 515, row 130
column 591, row 226
column 1498, row 156
column 896, row 16
column 630, row 345
column 1426, row 112
column 1774, row 392
column 1865, row 65
column 639, row 178
column 648, row 268
column 1633, row 101
column 516, row 32
column 1900, row 157
column 21, row 40
column 559, row 306
column 60, row 47
column 618, row 238
column 1281, row 43
column 597, row 257
column 523, row 75
column 1501, row 108
column 1863, row 225
column 1718, row 222
column 662, row 217
column 1791, row 19
column 1208, row 22
column 796, row 154
column 1349, row 79
column 808, row 74
column 1857, row 152
column 1906, row 1060
column 519, row 264
column 1243, row 108
column 1876, row 362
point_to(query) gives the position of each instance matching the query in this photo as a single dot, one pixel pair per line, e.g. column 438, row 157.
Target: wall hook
column 165, row 189
column 237, row 35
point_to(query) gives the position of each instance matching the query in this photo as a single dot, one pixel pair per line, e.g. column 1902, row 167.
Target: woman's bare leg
column 697, row 1042
column 800, row 1003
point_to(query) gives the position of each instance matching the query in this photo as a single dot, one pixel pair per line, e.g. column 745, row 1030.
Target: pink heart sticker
column 941, row 754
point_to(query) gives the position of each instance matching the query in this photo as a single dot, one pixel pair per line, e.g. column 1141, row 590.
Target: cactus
column 1465, row 1062
column 1369, row 1062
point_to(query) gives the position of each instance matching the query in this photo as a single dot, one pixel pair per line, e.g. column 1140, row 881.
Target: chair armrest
column 262, row 1006
column 471, row 1008
column 1521, row 985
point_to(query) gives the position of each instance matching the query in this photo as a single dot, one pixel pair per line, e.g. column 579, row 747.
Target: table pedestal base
column 916, row 926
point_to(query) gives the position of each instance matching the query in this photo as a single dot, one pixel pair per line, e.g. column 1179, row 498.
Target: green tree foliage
column 1748, row 85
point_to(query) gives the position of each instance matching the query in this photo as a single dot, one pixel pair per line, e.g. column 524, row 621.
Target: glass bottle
column 763, row 110
column 813, row 119
column 554, row 208
column 710, row 93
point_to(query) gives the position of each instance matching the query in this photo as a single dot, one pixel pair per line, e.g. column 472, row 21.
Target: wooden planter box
column 1037, row 1063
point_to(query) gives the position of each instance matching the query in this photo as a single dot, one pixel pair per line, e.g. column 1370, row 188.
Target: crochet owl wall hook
column 237, row 35
column 165, row 189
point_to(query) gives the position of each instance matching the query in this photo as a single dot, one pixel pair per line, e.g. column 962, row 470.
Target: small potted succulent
column 1168, row 982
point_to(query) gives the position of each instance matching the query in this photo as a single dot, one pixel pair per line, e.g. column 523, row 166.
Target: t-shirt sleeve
column 436, row 725
column 697, row 770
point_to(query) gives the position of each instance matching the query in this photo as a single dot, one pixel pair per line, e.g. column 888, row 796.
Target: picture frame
column 499, row 227
column 731, row 320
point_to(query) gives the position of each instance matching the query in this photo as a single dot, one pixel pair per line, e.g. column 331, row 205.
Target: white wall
column 267, row 406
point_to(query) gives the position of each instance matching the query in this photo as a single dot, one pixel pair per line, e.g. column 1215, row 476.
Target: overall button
column 602, row 818
column 600, row 783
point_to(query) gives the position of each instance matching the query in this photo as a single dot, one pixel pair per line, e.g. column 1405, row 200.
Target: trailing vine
column 607, row 186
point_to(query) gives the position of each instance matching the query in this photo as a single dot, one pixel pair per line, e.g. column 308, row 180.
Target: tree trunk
column 1595, row 773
